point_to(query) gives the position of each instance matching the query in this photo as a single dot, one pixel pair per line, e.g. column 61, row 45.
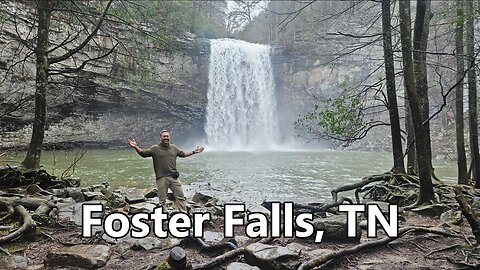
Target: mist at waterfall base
column 242, row 113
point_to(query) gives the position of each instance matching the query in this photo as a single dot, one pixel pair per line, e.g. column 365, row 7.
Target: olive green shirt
column 164, row 158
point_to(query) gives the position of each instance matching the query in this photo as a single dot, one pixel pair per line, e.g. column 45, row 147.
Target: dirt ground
column 412, row 251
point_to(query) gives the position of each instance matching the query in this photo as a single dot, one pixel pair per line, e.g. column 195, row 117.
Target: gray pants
column 163, row 183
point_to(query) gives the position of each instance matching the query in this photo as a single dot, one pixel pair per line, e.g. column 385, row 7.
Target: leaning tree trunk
column 426, row 188
column 32, row 159
column 472, row 217
column 472, row 95
column 398, row 164
column 459, row 124
column 420, row 38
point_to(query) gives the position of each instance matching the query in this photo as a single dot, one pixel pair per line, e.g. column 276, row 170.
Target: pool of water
column 300, row 176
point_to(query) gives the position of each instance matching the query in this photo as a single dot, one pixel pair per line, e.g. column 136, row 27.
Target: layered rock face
column 125, row 94
column 136, row 91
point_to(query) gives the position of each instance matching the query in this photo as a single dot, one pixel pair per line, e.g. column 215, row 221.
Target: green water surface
column 299, row 176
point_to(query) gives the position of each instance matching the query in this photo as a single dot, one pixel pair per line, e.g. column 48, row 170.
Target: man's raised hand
column 199, row 149
column 132, row 142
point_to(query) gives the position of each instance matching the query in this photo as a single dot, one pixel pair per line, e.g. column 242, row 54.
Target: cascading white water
column 242, row 107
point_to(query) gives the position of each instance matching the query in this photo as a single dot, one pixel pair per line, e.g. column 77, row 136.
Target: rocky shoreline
column 57, row 240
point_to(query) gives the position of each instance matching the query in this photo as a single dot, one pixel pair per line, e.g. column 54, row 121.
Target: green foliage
column 341, row 119
column 169, row 20
column 163, row 266
column 459, row 20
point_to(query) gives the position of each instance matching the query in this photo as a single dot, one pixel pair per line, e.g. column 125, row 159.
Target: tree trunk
column 472, row 95
column 459, row 124
column 32, row 159
column 470, row 214
column 398, row 164
column 426, row 188
column 420, row 38
column 411, row 156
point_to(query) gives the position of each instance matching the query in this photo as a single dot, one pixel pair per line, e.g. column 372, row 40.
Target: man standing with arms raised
column 164, row 157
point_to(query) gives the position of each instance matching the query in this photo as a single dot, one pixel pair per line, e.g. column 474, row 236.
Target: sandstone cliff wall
column 113, row 98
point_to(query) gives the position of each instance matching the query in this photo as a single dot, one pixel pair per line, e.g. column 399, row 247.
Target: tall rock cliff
column 112, row 98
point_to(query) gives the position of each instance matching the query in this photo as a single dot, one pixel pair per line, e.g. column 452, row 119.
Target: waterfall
column 242, row 108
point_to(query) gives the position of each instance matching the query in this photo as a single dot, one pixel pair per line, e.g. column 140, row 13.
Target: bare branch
column 84, row 63
column 291, row 16
column 444, row 96
column 338, row 33
column 85, row 42
column 26, row 43
column 64, row 42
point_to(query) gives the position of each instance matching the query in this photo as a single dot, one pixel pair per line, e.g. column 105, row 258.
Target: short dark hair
column 163, row 131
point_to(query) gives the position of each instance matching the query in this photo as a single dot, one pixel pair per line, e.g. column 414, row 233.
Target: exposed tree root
column 469, row 213
column 322, row 209
column 220, row 259
column 411, row 206
column 393, row 185
column 18, row 177
column 215, row 247
column 5, row 251
column 28, row 226
column 364, row 246
column 29, row 203
column 365, row 181
column 464, row 265
column 405, row 179
column 443, row 249
column 328, row 256
column 41, row 214
column 228, row 256
column 397, row 190
column 9, row 208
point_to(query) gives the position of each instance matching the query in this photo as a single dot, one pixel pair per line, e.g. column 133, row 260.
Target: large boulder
column 127, row 239
column 241, row 240
column 82, row 256
column 335, row 228
column 13, row 262
column 451, row 217
column 309, row 251
column 271, row 257
column 241, row 266
column 76, row 194
column 212, row 238
column 201, row 197
column 256, row 208
column 143, row 207
column 73, row 212
column 149, row 243
column 93, row 195
column 135, row 198
column 146, row 243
